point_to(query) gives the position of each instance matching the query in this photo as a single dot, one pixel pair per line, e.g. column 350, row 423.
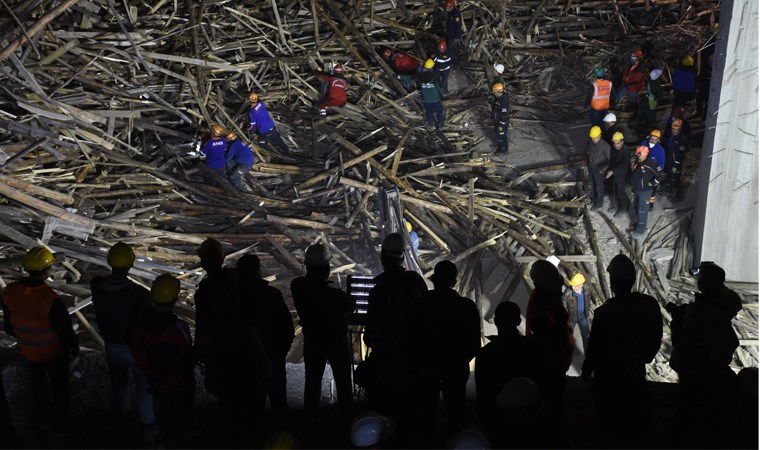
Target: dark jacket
column 675, row 147
column 684, row 80
column 500, row 109
column 598, row 156
column 608, row 132
column 265, row 307
column 163, row 349
column 118, row 302
column 570, row 302
column 322, row 310
column 646, row 175
column 453, row 25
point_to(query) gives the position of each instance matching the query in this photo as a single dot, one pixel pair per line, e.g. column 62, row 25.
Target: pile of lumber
column 102, row 103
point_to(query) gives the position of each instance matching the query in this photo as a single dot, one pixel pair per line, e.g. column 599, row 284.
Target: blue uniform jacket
column 657, row 152
column 241, row 153
column 453, row 25
column 214, row 150
column 261, row 121
column 684, row 80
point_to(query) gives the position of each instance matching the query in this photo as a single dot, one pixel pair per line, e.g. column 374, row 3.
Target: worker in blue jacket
column 213, row 151
column 262, row 124
column 239, row 160
column 657, row 152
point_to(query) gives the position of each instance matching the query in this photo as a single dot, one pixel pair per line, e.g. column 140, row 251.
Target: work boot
column 612, row 209
column 430, row 127
column 594, row 207
column 442, row 128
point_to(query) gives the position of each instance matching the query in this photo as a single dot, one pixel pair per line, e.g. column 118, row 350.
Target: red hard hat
column 642, row 150
column 638, row 53
column 449, row 4
column 441, row 45
column 338, row 68
column 387, row 53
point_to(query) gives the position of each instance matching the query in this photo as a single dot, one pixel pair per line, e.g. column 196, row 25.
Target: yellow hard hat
column 408, row 226
column 687, row 61
column 618, row 136
column 217, row 130
column 165, row 289
column 655, row 133
column 577, row 280
column 38, row 258
column 211, row 250
column 120, row 255
column 595, row 132
column 429, row 64
column 498, row 87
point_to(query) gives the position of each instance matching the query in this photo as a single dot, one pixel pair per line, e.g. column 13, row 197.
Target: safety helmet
column 441, row 45
column 655, row 133
column 577, row 280
column 217, row 130
column 618, row 137
column 370, row 428
column 231, row 135
column 449, row 4
column 280, row 441
column 38, row 258
column 545, row 275
column 393, row 246
column 518, row 393
column 621, row 268
column 599, row 72
column 687, row 61
column 338, row 68
column 408, row 226
column 120, row 255
column 638, row 54
column 655, row 74
column 642, row 149
column 710, row 275
column 429, row 64
column 498, row 68
column 211, row 250
column 317, row 255
column 595, row 132
column 610, row 118
column 469, row 438
column 387, row 53
column 677, row 124
column 253, row 97
column 165, row 289
column 497, row 87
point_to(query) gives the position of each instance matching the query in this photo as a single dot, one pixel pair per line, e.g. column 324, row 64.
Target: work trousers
column 444, row 77
column 502, row 142
column 434, row 111
column 675, row 180
column 316, row 355
column 174, row 414
column 650, row 117
column 618, row 186
column 597, row 116
column 237, row 171
column 210, row 180
column 120, row 364
column 597, row 187
column 57, row 373
column 452, row 383
column 641, row 199
column 583, row 325
column 273, row 139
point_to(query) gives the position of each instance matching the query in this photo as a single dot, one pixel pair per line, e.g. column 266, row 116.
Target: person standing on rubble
column 598, row 97
column 322, row 313
column 239, row 160
column 679, row 113
column 598, row 162
column 213, row 151
column 578, row 304
column 334, row 88
column 432, row 95
column 654, row 96
column 453, row 29
column 676, row 145
column 634, row 78
column 442, row 67
column 657, row 152
column 118, row 303
column 646, row 175
column 261, row 123
column 620, row 160
column 35, row 315
column 684, row 82
column 500, row 116
column 497, row 72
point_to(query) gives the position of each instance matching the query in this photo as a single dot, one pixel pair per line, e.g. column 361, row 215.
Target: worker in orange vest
column 35, row 315
column 599, row 97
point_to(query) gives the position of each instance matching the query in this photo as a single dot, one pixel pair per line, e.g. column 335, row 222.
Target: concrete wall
column 726, row 212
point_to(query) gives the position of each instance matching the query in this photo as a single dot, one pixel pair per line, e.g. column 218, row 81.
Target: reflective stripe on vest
column 601, row 99
column 29, row 308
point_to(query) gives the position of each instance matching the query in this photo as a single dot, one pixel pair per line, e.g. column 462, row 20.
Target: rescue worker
column 35, row 315
column 679, row 113
column 610, row 127
column 213, row 151
column 432, row 95
column 322, row 313
column 163, row 349
column 657, row 152
column 620, row 160
column 497, row 72
column 684, row 81
column 625, row 336
column 654, row 95
column 413, row 237
column 334, row 88
column 442, row 67
column 598, row 162
column 404, row 66
column 646, row 175
column 577, row 304
column 599, row 97
column 634, row 78
column 266, row 308
column 676, row 145
column 500, row 116
column 239, row 160
column 392, row 388
column 453, row 29
column 450, row 324
column 118, row 303
column 261, row 123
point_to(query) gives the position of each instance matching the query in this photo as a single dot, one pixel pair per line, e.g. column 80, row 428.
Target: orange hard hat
column 497, row 87
column 231, row 135
column 217, row 130
column 253, row 97
column 387, row 53
column 655, row 133
column 642, row 150
column 638, row 53
column 677, row 123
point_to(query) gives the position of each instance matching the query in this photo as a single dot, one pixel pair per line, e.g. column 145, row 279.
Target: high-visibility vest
column 601, row 99
column 29, row 308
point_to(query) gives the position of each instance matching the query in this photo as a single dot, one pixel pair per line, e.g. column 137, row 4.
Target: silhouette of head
column 507, row 316
column 545, row 276
column 711, row 277
column 249, row 266
column 622, row 274
column 392, row 252
column 317, row 261
column 211, row 253
column 445, row 275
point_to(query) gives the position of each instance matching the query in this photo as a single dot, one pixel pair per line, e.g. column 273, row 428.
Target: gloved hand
column 501, row 130
column 673, row 170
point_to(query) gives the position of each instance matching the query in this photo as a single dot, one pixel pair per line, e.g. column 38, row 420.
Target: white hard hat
column 469, row 438
column 499, row 68
column 317, row 255
column 370, row 428
column 655, row 74
column 610, row 118
column 517, row 393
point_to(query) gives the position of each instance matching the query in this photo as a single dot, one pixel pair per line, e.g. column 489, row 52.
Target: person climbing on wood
column 334, row 87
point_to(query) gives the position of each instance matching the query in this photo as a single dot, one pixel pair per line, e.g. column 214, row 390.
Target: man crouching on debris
column 213, row 151
column 334, row 86
column 239, row 160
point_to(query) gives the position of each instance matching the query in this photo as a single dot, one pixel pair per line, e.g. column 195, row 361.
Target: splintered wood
column 103, row 103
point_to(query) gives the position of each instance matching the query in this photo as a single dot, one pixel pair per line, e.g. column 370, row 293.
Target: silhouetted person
column 322, row 311
column 388, row 334
column 704, row 342
column 265, row 307
column 163, row 350
column 118, row 302
column 507, row 356
column 450, row 325
column 625, row 336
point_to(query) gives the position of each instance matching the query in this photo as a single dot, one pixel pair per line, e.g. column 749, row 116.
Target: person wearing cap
column 322, row 314
column 646, row 175
column 634, row 78
column 577, row 304
column 450, row 324
column 239, row 160
column 676, row 146
column 497, row 74
column 35, row 315
column 442, row 67
column 388, row 333
column 432, row 95
column 657, row 152
column 654, row 95
column 598, row 97
column 610, row 127
column 266, row 308
column 620, row 166
column 213, row 151
column 118, row 302
column 163, row 350
column 334, row 88
column 704, row 342
column 598, row 162
column 626, row 334
column 684, row 81
column 260, row 122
